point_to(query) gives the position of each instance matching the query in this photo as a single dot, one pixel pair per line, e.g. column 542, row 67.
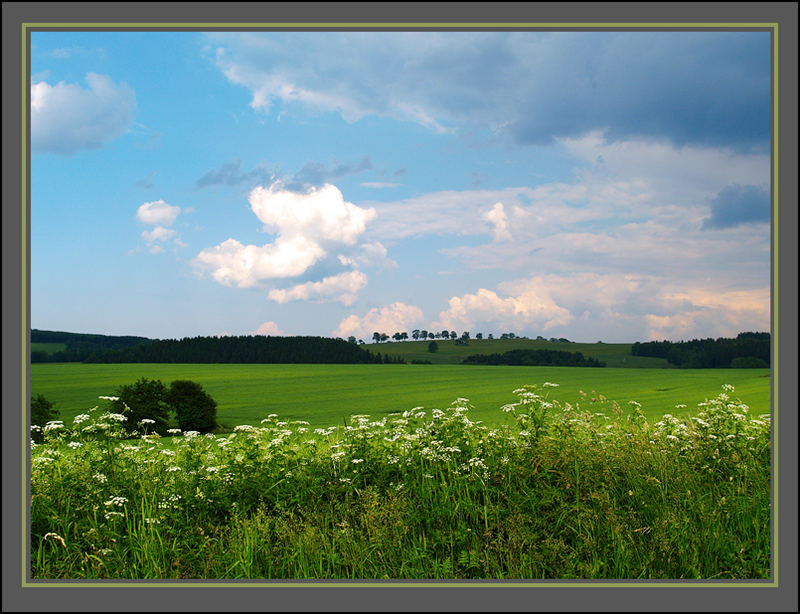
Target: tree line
column 551, row 358
column 747, row 350
column 245, row 349
column 79, row 346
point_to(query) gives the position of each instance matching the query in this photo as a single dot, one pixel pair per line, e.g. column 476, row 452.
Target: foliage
column 748, row 362
column 555, row 490
column 144, row 400
column 78, row 346
column 194, row 408
column 534, row 358
column 42, row 413
column 710, row 353
column 433, row 347
column 244, row 349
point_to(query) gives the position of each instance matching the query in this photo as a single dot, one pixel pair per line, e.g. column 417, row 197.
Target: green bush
column 42, row 412
column 194, row 409
column 144, row 400
column 433, row 347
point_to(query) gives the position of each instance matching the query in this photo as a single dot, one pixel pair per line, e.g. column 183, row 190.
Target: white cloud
column 157, row 213
column 159, row 233
column 321, row 214
column 307, row 224
column 610, row 307
column 245, row 266
column 392, row 318
column 709, row 313
column 269, row 328
column 498, row 218
column 343, row 288
column 66, row 118
column 533, row 308
column 366, row 254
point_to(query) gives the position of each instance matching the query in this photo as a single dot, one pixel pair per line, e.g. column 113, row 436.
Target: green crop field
column 327, row 394
column 613, row 354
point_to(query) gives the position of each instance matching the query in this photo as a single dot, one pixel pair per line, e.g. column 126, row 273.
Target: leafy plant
column 144, row 400
column 195, row 410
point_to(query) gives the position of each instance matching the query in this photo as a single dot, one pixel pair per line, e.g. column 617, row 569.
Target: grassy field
column 326, row 394
column 613, row 354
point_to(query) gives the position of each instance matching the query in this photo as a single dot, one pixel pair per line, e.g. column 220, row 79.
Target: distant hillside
column 250, row 349
column 449, row 352
column 58, row 346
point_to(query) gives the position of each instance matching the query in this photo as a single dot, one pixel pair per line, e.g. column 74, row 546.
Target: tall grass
column 552, row 490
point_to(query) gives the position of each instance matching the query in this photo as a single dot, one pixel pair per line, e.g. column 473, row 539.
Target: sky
column 595, row 186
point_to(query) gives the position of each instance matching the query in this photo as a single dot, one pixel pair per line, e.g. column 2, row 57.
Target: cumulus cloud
column 157, row 212
column 307, row 224
column 533, row 308
column 711, row 88
column 159, row 233
column 498, row 218
column 321, row 213
column 244, row 266
column 706, row 313
column 736, row 204
column 160, row 215
column 66, row 118
column 610, row 306
column 343, row 288
column 395, row 317
column 269, row 328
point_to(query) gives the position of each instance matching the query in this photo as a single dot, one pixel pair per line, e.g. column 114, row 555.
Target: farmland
column 327, row 394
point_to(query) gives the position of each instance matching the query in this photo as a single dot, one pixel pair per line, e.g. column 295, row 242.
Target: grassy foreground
column 549, row 491
column 327, row 394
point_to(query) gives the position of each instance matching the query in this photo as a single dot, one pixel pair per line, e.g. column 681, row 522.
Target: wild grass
column 551, row 490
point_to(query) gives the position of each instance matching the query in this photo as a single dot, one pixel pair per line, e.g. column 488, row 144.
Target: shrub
column 144, row 400
column 194, row 409
column 433, row 347
column 42, row 412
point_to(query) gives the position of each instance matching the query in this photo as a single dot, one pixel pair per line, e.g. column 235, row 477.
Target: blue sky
column 590, row 185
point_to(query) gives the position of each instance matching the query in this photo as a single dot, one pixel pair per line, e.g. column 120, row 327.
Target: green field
column 326, row 394
column 613, row 354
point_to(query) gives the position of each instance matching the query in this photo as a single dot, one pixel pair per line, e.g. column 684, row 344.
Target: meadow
column 328, row 394
column 546, row 490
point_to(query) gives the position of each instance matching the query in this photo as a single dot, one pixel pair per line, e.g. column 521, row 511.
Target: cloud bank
column 709, row 88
